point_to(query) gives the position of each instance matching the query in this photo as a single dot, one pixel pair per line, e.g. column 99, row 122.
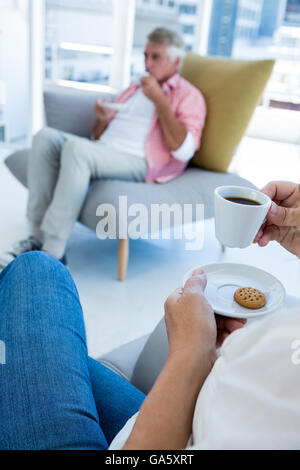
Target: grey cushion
column 123, row 359
column 142, row 360
column 71, row 112
column 17, row 164
column 152, row 359
column 193, row 186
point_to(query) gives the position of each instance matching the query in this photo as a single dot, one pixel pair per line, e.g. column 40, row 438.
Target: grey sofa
column 74, row 113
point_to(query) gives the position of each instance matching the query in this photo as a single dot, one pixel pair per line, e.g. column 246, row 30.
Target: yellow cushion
column 232, row 90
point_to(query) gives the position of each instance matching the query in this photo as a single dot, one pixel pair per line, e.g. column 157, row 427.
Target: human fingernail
column 198, row 271
column 273, row 209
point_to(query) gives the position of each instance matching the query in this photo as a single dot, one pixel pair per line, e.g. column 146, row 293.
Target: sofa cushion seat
column 194, row 186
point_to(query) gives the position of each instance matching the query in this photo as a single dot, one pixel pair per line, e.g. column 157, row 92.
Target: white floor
column 116, row 312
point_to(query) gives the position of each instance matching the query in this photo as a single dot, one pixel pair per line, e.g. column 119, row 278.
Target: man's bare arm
column 103, row 115
column 99, row 128
column 174, row 131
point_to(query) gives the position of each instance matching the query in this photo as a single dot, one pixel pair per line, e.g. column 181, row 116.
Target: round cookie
column 249, row 297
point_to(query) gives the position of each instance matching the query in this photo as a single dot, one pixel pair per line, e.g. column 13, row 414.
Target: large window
column 245, row 30
column 85, row 39
column 260, row 29
column 78, row 40
column 241, row 29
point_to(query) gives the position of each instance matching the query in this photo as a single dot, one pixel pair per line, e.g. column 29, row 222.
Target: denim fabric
column 52, row 395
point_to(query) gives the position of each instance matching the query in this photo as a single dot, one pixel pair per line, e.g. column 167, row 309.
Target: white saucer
column 116, row 106
column 224, row 278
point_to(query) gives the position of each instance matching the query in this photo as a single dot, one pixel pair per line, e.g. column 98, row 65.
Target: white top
column 251, row 399
column 129, row 129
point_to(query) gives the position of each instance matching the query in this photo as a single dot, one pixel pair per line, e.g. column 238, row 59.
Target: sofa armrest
column 17, row 163
column 152, row 359
column 142, row 360
column 71, row 112
column 122, row 360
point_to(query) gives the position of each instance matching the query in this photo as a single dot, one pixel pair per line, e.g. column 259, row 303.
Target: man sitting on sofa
column 150, row 139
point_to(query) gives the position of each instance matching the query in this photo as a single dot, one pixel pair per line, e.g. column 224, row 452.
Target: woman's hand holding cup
column 283, row 219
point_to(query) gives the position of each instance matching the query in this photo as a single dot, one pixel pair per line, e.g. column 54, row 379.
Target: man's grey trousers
column 61, row 166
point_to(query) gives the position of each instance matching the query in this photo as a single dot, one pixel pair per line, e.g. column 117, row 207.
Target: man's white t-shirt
column 251, row 399
column 129, row 129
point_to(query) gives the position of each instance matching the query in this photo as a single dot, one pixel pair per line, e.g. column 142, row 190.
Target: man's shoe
column 29, row 244
column 64, row 261
column 23, row 246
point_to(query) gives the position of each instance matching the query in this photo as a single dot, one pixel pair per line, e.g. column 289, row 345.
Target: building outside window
column 241, row 29
column 262, row 29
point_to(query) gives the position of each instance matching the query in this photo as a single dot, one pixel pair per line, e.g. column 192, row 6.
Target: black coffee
column 242, row 200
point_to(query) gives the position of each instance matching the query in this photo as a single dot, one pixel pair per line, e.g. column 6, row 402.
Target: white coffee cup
column 138, row 76
column 236, row 225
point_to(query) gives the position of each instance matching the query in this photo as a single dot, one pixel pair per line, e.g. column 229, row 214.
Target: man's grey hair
column 172, row 39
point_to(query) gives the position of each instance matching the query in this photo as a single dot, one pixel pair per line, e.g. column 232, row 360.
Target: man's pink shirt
column 189, row 107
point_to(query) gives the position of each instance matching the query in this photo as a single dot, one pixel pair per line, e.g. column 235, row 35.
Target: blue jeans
column 52, row 395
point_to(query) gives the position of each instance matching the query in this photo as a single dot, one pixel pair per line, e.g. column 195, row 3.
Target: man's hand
column 191, row 323
column 283, row 218
column 103, row 114
column 152, row 89
column 174, row 132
